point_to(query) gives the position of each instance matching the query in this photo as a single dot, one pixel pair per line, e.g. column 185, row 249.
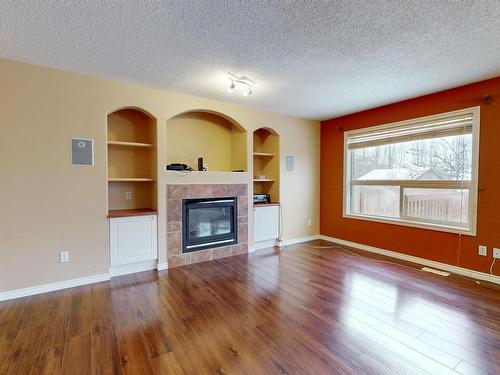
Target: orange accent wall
column 434, row 245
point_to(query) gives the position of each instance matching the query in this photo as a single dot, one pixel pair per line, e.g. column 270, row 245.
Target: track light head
column 247, row 92
column 231, row 87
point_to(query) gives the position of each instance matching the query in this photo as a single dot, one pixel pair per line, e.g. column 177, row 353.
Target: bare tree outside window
column 453, row 157
column 447, row 158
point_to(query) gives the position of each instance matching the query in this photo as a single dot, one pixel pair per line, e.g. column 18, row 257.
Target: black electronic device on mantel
column 178, row 167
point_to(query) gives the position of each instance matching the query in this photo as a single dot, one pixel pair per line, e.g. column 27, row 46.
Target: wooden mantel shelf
column 129, row 179
column 266, row 204
column 135, row 212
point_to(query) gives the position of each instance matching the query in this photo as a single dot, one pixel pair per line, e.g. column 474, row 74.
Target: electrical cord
column 280, row 237
column 491, row 267
column 361, row 256
column 387, row 262
column 459, row 249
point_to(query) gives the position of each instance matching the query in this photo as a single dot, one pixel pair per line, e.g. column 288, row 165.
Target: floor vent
column 437, row 272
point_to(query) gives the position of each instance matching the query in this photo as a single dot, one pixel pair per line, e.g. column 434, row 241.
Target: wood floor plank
column 167, row 364
column 77, row 355
column 49, row 358
column 105, row 358
column 307, row 310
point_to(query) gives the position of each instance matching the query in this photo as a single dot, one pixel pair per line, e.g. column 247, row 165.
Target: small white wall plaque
column 289, row 163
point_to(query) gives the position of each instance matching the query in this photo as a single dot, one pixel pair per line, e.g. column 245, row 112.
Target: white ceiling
column 312, row 59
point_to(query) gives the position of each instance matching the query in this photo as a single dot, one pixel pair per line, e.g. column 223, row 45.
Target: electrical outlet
column 128, row 195
column 496, row 253
column 309, row 222
column 483, row 251
column 64, row 257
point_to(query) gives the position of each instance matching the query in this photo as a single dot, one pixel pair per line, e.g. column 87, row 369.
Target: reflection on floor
column 304, row 311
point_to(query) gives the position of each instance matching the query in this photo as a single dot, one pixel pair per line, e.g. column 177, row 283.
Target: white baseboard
column 272, row 243
column 114, row 271
column 299, row 240
column 162, row 266
column 38, row 289
column 126, row 269
column 422, row 261
column 262, row 245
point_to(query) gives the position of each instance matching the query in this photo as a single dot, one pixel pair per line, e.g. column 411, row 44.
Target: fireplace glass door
column 209, row 223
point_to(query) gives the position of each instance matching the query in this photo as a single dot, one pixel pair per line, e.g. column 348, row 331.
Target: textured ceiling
column 313, row 59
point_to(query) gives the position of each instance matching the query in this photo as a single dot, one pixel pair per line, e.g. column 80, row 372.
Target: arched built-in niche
column 266, row 163
column 131, row 135
column 219, row 140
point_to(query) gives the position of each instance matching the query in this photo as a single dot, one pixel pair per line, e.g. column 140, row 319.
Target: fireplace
column 209, row 223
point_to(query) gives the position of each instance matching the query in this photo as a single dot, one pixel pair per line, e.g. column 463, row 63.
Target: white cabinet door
column 132, row 239
column 265, row 223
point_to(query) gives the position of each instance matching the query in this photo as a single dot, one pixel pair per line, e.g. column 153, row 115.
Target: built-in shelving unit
column 131, row 161
column 266, row 163
column 221, row 142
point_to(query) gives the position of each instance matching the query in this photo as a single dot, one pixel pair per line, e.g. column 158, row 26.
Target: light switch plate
column 64, row 256
column 483, row 251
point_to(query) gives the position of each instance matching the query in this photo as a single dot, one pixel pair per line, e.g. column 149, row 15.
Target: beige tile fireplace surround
column 175, row 195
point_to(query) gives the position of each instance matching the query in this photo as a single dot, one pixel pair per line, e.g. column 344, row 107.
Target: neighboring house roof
column 387, row 174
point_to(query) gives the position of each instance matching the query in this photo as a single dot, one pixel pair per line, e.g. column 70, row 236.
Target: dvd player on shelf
column 261, row 198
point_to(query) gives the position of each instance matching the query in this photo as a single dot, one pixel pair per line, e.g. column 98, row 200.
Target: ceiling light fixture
column 243, row 83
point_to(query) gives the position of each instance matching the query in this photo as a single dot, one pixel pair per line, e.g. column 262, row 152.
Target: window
column 421, row 172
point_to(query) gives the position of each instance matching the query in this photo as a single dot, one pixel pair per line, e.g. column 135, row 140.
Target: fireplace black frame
column 209, row 242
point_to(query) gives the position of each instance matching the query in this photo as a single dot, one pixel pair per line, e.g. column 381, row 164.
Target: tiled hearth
column 175, row 195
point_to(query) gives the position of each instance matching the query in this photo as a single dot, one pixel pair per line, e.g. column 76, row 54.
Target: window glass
column 441, row 205
column 421, row 172
column 376, row 200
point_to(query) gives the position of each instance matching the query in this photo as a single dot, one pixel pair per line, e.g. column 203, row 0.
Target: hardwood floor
column 305, row 311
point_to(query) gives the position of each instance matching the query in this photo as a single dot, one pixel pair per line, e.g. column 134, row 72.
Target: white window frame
column 412, row 222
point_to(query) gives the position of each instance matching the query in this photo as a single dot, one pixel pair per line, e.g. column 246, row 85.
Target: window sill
column 414, row 224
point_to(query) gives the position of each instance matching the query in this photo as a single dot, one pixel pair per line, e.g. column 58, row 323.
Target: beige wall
column 48, row 206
